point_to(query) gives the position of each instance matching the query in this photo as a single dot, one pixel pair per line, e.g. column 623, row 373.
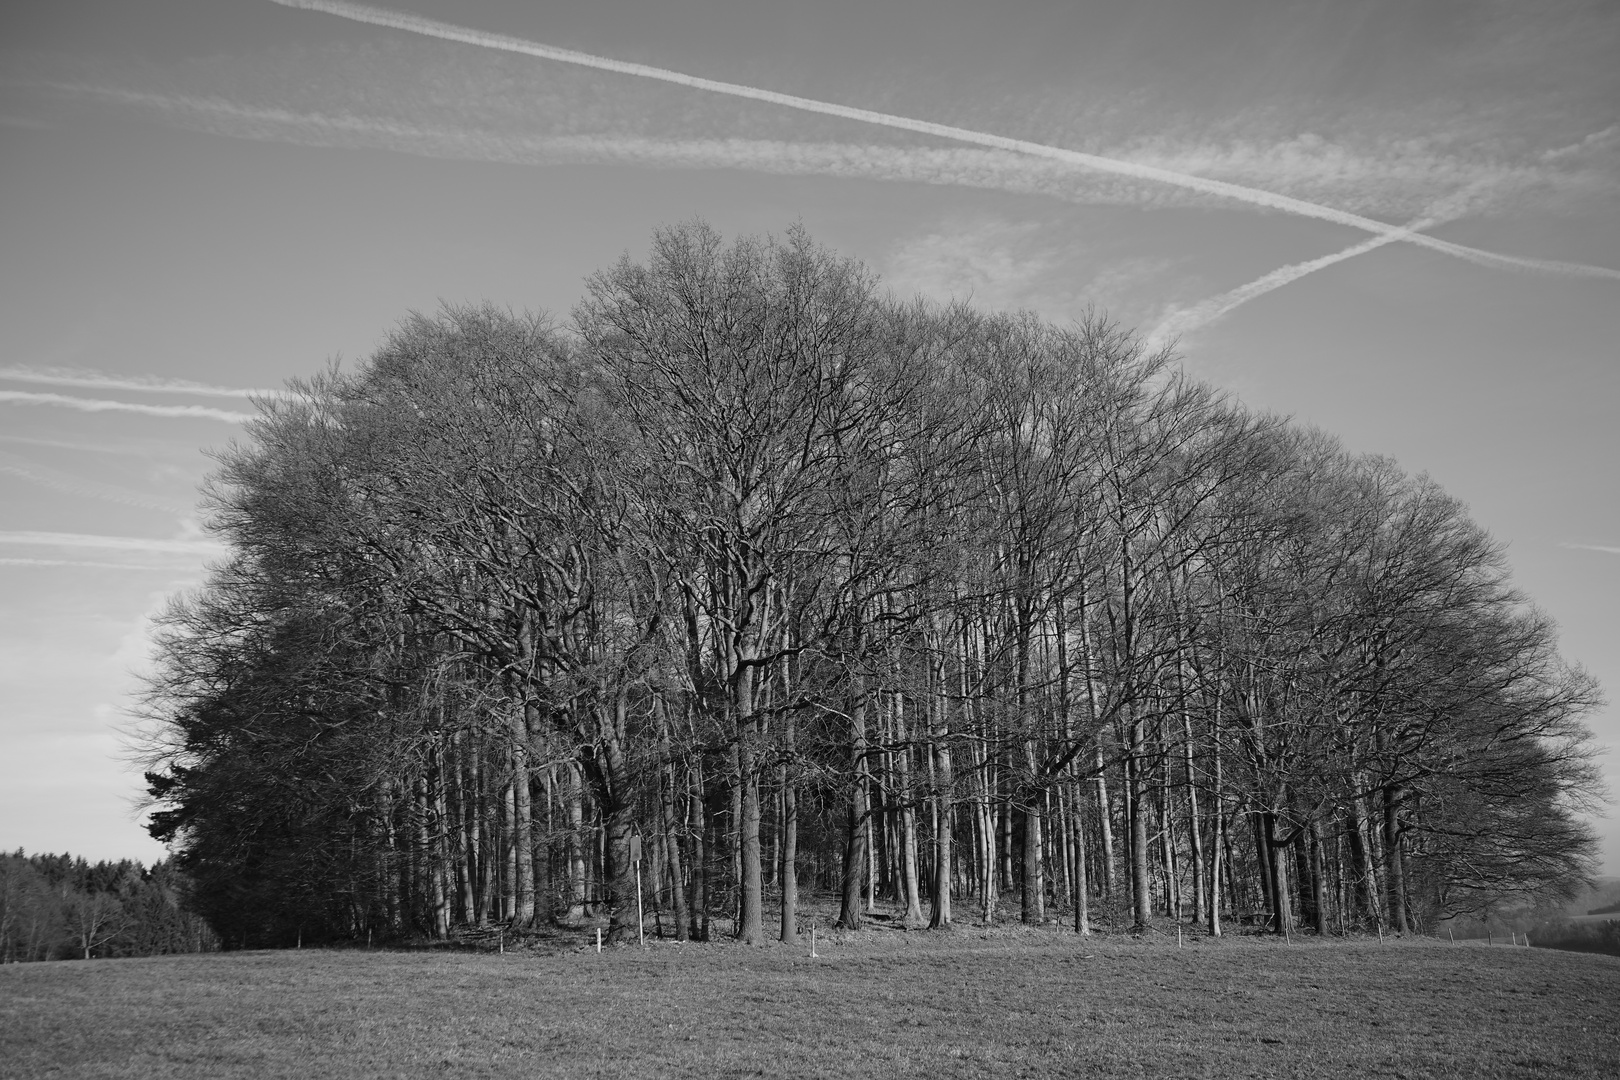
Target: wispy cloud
column 124, row 447
column 95, row 405
column 1129, row 169
column 152, row 545
column 1022, row 265
column 56, row 480
column 1605, row 548
column 89, row 564
column 99, row 380
column 995, row 170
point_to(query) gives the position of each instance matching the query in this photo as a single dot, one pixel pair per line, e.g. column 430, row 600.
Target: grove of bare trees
column 959, row 614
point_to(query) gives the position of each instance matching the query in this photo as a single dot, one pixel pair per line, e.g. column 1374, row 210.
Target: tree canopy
column 797, row 581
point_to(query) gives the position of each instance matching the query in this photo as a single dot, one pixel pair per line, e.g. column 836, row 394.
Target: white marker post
column 635, row 860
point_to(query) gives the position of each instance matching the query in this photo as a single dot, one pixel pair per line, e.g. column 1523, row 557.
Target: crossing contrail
column 97, row 380
column 1216, row 307
column 416, row 24
column 204, row 412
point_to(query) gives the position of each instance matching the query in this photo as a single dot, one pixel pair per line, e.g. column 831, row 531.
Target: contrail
column 1217, row 307
column 963, row 166
column 96, row 380
column 88, row 563
column 1593, row 547
column 113, row 543
column 25, row 397
column 1254, row 196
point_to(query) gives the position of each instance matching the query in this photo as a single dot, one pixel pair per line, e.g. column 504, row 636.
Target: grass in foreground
column 963, row 1003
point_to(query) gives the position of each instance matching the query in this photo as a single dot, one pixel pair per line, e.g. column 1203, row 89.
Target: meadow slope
column 964, row 1003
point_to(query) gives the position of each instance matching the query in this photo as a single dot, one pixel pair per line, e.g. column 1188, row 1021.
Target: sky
column 1397, row 222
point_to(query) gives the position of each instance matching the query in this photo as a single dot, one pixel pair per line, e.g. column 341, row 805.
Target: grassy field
column 979, row 1003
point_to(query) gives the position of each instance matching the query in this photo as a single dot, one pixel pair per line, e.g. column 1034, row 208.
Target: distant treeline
column 58, row 907
column 1571, row 936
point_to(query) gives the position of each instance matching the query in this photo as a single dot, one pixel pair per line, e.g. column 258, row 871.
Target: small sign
column 635, row 849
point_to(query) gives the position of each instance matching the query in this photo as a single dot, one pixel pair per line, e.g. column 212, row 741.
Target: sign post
column 635, row 860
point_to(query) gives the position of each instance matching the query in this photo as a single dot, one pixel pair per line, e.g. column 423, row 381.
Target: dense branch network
column 783, row 580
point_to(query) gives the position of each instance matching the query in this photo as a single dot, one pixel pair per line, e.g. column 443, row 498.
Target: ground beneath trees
column 967, row 1002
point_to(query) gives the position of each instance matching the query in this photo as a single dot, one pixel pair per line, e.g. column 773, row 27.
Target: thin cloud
column 1131, row 169
column 90, row 564
column 94, row 405
column 152, row 545
column 1605, row 548
column 143, row 449
column 56, row 480
column 98, row 380
column 995, row 170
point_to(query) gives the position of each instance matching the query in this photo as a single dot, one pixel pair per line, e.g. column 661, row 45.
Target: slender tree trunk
column 1034, row 887
column 576, row 844
column 1082, row 875
column 1105, row 812
column 789, row 872
column 1275, row 873
column 913, row 915
column 1365, row 894
column 1218, row 838
column 509, row 852
column 1394, row 861
column 1195, row 832
column 751, row 928
column 944, row 800
column 855, row 847
column 672, row 847
column 698, row 823
column 1141, row 881
column 615, row 797
column 438, row 848
column 1319, row 878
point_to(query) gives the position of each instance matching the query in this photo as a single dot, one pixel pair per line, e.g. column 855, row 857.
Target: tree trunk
column 944, row 800
column 1082, row 875
column 702, row 853
column 909, row 882
column 672, row 847
column 1034, row 885
column 751, row 918
column 855, row 848
column 1319, row 878
column 789, row 872
column 576, row 844
column 616, row 798
column 1364, row 894
column 1218, row 840
column 1195, row 832
column 1141, row 882
column 1394, row 862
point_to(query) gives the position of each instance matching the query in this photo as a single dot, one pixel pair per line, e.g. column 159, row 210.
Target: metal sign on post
column 635, row 860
